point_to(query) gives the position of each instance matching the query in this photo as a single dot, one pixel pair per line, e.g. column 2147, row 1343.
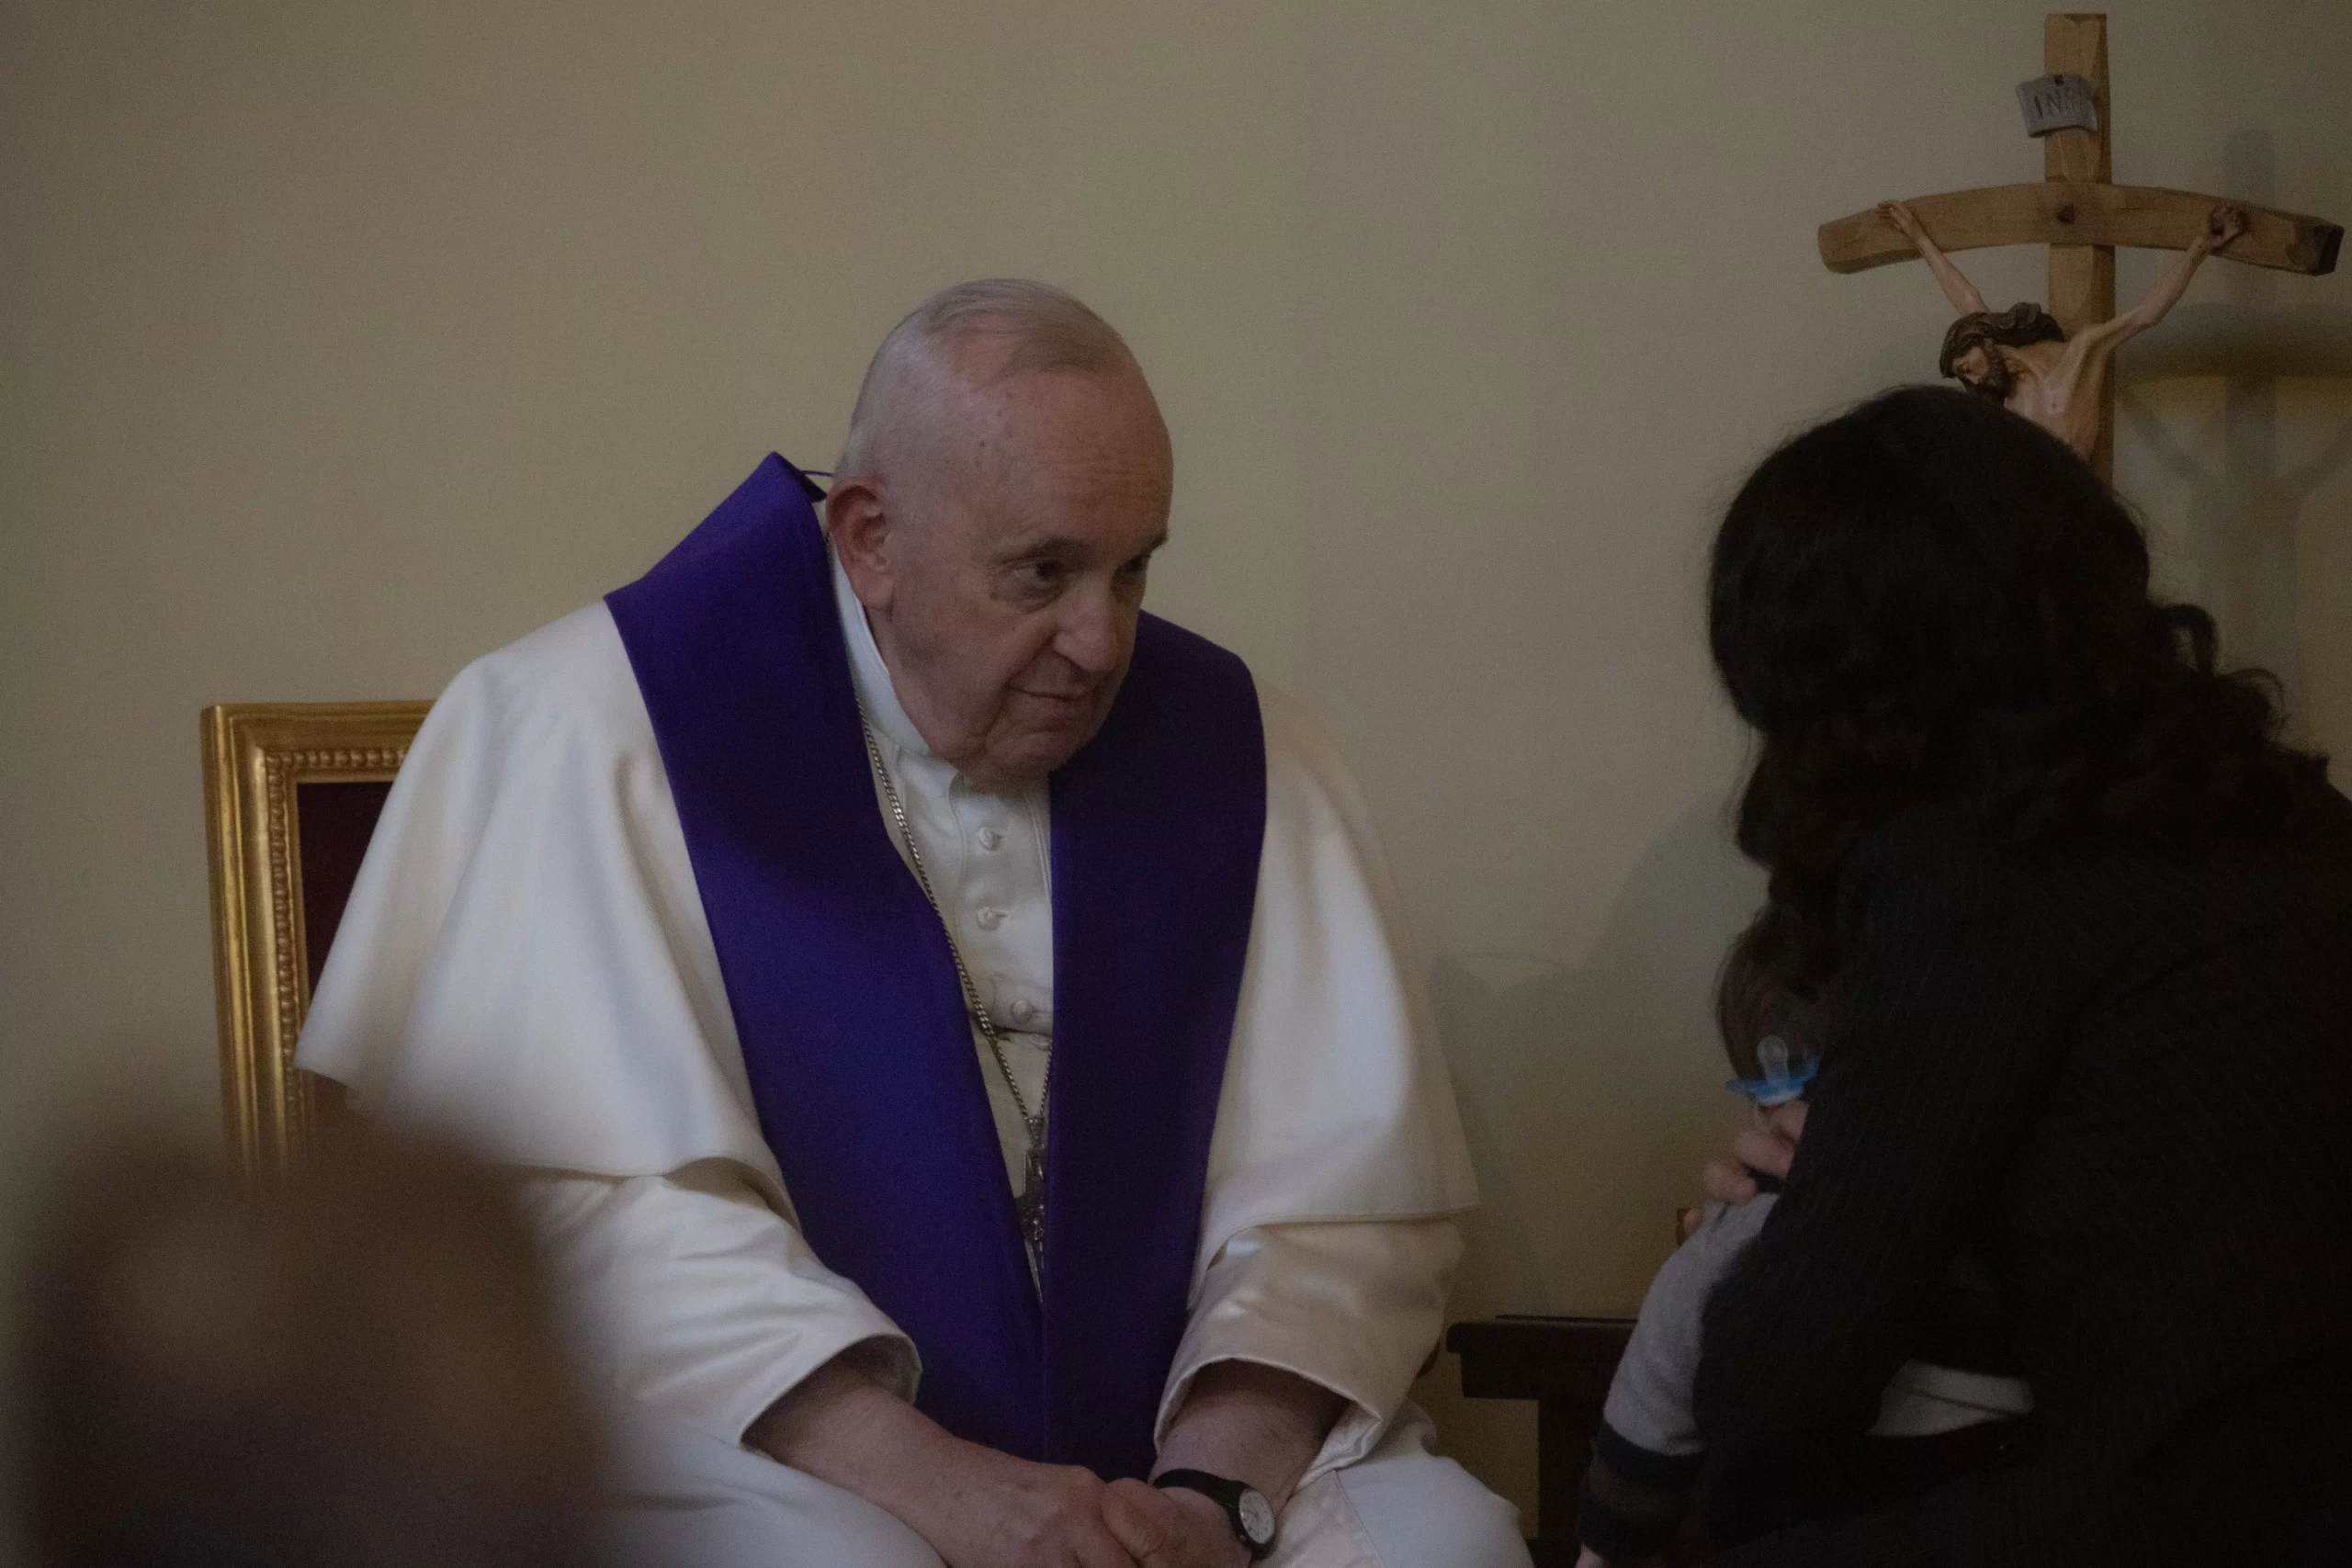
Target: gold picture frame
column 258, row 758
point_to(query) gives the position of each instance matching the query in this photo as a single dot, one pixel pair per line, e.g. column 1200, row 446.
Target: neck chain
column 1031, row 1204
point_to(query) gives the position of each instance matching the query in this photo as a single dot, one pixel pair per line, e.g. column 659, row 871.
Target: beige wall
column 344, row 342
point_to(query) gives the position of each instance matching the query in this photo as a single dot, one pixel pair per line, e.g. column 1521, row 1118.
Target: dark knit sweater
column 2119, row 1071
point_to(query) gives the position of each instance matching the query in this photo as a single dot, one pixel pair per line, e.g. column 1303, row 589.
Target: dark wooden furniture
column 1564, row 1364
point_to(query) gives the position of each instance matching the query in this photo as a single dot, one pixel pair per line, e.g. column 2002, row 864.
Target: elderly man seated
column 955, row 1028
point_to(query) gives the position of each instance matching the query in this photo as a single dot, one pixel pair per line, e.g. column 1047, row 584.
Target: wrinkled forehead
column 1025, row 431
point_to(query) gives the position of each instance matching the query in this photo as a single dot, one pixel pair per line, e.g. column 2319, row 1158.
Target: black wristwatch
column 1245, row 1506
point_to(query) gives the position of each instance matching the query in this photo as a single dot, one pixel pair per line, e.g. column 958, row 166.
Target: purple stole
column 854, row 1034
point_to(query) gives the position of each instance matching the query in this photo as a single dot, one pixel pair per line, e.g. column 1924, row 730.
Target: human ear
column 858, row 522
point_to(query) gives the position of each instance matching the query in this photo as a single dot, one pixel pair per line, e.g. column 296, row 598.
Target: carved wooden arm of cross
column 2068, row 213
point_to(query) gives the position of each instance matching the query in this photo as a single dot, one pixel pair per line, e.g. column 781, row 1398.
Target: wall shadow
column 1590, row 1093
column 2241, row 528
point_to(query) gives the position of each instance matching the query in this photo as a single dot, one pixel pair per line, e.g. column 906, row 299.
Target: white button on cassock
column 990, row 918
column 989, row 838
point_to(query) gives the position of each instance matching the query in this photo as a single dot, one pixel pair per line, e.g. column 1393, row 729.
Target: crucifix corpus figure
column 2022, row 359
column 2082, row 216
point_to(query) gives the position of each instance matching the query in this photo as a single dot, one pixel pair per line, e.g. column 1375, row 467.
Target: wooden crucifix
column 2082, row 216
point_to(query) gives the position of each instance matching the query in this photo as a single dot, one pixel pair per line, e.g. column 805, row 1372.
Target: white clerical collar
column 867, row 670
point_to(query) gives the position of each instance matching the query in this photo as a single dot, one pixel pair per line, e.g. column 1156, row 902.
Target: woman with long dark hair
column 2082, row 928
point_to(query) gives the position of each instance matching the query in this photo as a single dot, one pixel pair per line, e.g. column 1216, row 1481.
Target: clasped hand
column 979, row 1507
column 1011, row 1513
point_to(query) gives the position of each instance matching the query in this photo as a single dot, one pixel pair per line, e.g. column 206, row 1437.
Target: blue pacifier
column 1782, row 1082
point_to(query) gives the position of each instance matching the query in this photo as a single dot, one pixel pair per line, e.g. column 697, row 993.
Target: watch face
column 1257, row 1517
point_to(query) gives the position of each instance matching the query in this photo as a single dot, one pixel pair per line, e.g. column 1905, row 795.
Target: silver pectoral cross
column 1030, row 1207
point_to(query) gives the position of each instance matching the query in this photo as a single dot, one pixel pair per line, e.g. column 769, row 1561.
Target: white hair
column 1042, row 329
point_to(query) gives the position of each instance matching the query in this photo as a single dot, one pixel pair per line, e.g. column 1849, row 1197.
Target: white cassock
column 525, row 961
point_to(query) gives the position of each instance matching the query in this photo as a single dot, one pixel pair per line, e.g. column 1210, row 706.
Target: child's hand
column 1768, row 1147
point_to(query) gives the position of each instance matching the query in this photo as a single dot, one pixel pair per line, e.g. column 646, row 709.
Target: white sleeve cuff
column 1351, row 1306
column 689, row 1293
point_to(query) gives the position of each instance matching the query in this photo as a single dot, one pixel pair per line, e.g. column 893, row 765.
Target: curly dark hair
column 1928, row 599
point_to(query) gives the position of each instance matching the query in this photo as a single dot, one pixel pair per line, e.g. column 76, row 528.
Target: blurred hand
column 1171, row 1527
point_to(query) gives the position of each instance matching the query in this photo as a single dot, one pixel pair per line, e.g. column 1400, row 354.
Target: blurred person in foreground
column 352, row 1366
column 955, row 1027
column 2079, row 928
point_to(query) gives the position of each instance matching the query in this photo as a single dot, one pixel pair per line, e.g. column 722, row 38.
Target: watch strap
column 1226, row 1493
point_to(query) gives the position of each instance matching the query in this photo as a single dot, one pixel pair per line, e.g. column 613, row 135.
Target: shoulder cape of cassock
column 529, row 957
